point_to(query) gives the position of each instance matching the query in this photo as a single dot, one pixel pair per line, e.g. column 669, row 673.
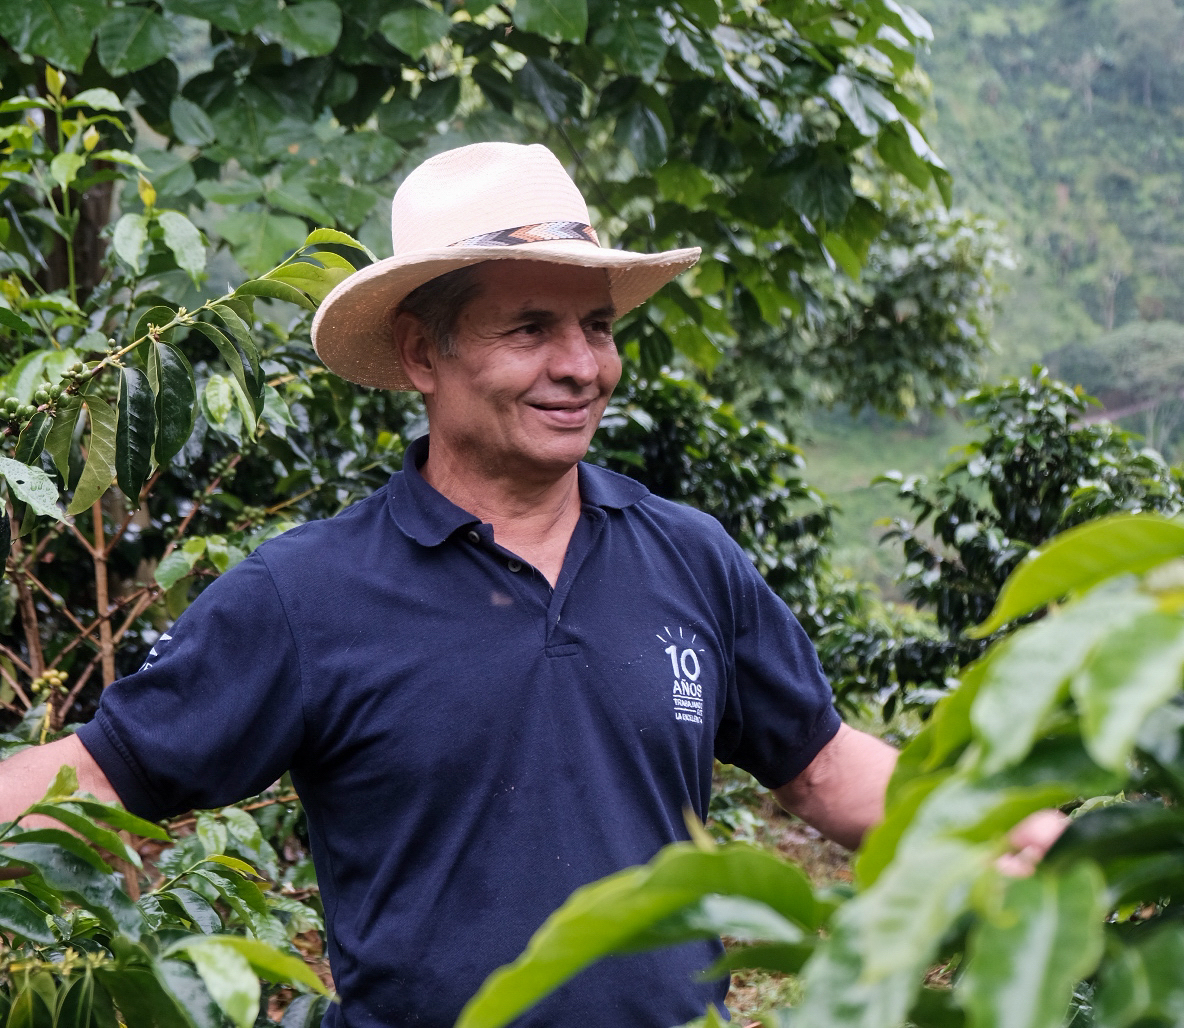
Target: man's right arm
column 25, row 777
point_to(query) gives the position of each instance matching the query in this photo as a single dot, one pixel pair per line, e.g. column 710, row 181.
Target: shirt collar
column 429, row 517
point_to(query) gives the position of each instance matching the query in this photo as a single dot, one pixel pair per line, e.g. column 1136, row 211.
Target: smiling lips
column 569, row 413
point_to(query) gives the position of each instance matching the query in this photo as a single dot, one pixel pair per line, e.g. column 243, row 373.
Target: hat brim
column 351, row 331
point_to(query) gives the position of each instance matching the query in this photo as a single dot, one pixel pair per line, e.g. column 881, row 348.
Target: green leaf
column 313, row 279
column 198, row 910
column 1028, row 953
column 1082, row 557
column 61, row 435
column 231, row 191
column 562, row 20
column 182, row 237
column 642, row 132
column 619, row 914
column 190, row 123
column 243, row 362
column 331, row 235
column 131, row 38
column 32, row 438
column 308, row 29
column 190, row 992
column 261, row 240
column 64, row 783
column 15, row 323
column 99, row 470
column 241, row 866
column 171, row 379
column 635, row 44
column 130, row 238
column 58, row 30
column 245, row 346
column 869, row 971
column 64, row 167
column 24, row 919
column 897, row 152
column 218, row 398
column 117, row 817
column 414, row 28
column 783, row 957
column 265, row 961
column 1028, row 674
column 67, row 871
column 142, row 1001
column 275, row 290
column 31, row 485
column 77, row 821
column 173, row 568
column 98, row 98
column 238, row 16
column 555, row 91
column 135, row 432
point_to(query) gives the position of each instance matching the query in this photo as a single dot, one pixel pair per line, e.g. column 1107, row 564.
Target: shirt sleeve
column 216, row 712
column 779, row 710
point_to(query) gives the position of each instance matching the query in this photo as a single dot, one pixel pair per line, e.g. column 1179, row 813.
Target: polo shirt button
column 474, row 536
column 514, row 565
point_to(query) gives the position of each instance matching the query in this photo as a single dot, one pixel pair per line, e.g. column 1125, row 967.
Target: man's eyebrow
column 608, row 312
column 542, row 314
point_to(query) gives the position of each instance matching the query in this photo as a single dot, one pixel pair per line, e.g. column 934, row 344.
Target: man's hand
column 25, row 777
column 841, row 792
column 1031, row 839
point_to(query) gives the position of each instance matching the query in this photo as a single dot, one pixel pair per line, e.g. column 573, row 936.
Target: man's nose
column 573, row 357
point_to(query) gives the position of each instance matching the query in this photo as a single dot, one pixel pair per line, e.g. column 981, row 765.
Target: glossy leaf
column 1028, row 674
column 264, row 960
column 619, row 913
column 312, row 279
column 32, row 438
column 118, row 818
column 23, row 918
column 198, row 909
column 171, row 379
column 275, row 289
column 555, row 19
column 229, row 980
column 331, row 235
column 142, row 1000
column 1028, row 953
column 68, row 872
column 243, row 365
column 58, row 30
column 131, row 38
column 182, row 237
column 1127, row 677
column 308, row 29
column 99, row 470
column 61, row 434
column 1081, row 558
column 135, row 432
column 190, row 992
column 31, row 485
column 414, row 28
column 191, row 124
column 77, row 821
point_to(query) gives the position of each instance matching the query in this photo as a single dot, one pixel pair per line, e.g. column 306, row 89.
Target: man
column 507, row 673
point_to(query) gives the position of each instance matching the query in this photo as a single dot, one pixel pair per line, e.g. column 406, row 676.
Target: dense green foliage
column 1083, row 705
column 189, row 951
column 1034, row 468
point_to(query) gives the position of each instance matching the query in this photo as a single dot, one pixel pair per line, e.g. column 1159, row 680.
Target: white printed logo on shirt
column 154, row 653
column 687, row 692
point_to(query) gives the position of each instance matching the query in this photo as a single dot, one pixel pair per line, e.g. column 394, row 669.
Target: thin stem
column 102, row 597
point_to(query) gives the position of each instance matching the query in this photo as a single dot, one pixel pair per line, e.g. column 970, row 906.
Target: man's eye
column 600, row 328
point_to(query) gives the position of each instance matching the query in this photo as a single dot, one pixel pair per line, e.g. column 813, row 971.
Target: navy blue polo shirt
column 470, row 744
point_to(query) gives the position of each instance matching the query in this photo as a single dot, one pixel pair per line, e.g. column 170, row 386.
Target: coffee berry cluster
column 50, row 681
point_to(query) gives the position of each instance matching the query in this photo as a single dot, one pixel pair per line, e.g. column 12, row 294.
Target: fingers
column 1032, row 838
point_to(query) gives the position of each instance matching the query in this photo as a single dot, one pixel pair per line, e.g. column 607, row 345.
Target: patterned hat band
column 544, row 232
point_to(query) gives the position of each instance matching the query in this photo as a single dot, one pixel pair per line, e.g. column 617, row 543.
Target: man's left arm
column 841, row 791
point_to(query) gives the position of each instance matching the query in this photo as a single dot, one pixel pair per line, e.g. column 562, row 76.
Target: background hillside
column 1063, row 120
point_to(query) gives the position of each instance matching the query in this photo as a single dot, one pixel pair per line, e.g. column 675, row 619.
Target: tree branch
column 102, row 597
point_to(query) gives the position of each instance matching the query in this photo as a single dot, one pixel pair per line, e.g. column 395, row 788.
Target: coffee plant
column 1082, row 709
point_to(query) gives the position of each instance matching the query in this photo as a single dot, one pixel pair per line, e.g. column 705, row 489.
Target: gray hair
column 438, row 303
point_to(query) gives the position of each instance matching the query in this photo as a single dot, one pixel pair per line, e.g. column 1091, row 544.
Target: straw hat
column 487, row 201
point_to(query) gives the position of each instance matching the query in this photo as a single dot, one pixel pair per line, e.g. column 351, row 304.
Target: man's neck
column 531, row 517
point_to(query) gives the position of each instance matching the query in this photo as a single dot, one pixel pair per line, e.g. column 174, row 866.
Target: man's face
column 534, row 368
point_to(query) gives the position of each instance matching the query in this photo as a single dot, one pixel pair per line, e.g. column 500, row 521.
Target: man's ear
column 416, row 351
